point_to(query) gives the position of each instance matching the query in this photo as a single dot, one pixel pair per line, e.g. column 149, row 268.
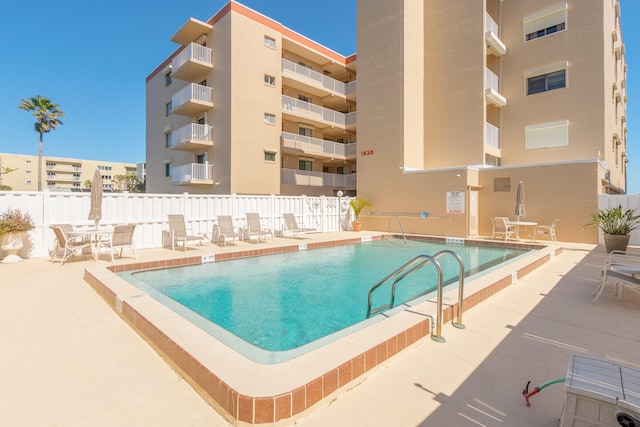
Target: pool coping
column 247, row 392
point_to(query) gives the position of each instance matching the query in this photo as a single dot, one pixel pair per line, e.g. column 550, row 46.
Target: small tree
column 47, row 116
column 128, row 182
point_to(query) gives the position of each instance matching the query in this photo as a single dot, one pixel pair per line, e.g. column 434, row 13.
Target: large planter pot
column 11, row 243
column 356, row 225
column 616, row 242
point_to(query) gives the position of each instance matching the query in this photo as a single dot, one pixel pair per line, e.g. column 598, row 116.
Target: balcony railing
column 312, row 111
column 492, row 89
column 192, row 137
column 192, row 62
column 318, row 179
column 192, row 173
column 311, row 77
column 191, row 99
column 492, row 36
column 492, row 138
column 318, row 146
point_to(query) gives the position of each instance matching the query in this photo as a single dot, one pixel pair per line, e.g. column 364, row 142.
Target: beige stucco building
column 247, row 106
column 458, row 102
column 59, row 173
column 483, row 95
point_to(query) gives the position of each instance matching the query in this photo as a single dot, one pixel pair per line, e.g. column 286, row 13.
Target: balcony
column 492, row 89
column 192, row 174
column 318, row 84
column 192, row 137
column 191, row 100
column 317, row 147
column 318, row 179
column 492, row 140
column 191, row 31
column 492, row 38
column 192, row 63
column 294, row 109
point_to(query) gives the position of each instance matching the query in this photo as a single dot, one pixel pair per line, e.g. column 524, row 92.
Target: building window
column 28, row 161
column 305, row 165
column 28, row 182
column 167, row 139
column 547, row 135
column 269, row 156
column 546, row 22
column 167, row 79
column 547, row 82
column 305, row 131
column 304, row 98
column 269, row 42
column 340, row 170
column 167, row 110
column 168, row 169
column 270, row 118
column 269, row 80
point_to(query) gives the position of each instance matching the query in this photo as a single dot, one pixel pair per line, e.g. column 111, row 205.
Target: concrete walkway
column 69, row 360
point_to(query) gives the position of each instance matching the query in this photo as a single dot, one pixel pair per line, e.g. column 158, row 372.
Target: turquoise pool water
column 282, row 302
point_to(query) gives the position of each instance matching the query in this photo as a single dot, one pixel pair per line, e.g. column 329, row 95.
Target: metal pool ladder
column 409, row 268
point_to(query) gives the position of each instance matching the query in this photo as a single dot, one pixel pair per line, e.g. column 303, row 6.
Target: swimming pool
column 277, row 307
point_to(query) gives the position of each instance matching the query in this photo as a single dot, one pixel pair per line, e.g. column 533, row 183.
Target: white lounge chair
column 178, row 233
column 68, row 245
column 623, row 269
column 122, row 237
column 546, row 230
column 291, row 228
column 224, row 231
column 254, row 228
column 500, row 227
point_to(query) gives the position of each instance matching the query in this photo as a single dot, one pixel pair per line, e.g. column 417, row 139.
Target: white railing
column 351, row 118
column 191, row 132
column 149, row 212
column 314, row 78
column 190, row 92
column 318, row 179
column 350, row 88
column 491, row 26
column 491, row 81
column 312, row 111
column 192, row 52
column 316, row 145
column 192, row 172
column 492, row 135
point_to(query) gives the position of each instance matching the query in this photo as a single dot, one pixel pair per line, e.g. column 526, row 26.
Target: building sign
column 455, row 202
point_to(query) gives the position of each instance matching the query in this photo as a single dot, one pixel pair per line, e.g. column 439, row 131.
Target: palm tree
column 47, row 116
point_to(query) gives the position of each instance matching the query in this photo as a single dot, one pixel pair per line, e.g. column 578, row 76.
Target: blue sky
column 92, row 58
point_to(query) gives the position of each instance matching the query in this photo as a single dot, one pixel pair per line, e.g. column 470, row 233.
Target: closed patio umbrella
column 520, row 210
column 96, row 198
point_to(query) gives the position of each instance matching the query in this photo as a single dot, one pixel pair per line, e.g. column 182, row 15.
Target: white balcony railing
column 192, row 173
column 492, row 35
column 192, row 133
column 192, row 53
column 311, row 77
column 492, row 88
column 312, row 111
column 191, row 93
column 318, row 179
column 492, row 138
column 317, row 146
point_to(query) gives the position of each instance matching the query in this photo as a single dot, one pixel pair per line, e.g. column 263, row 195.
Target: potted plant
column 616, row 224
column 357, row 205
column 14, row 224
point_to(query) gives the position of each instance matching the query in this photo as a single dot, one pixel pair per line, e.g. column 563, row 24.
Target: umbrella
column 520, row 210
column 96, row 198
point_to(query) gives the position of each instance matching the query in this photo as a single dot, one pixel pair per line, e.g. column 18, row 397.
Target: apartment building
column 59, row 173
column 476, row 97
column 245, row 105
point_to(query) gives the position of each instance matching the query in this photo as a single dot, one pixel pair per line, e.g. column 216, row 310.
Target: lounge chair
column 623, row 269
column 224, row 231
column 291, row 228
column 500, row 227
column 122, row 237
column 68, row 245
column 254, row 228
column 546, row 230
column 178, row 233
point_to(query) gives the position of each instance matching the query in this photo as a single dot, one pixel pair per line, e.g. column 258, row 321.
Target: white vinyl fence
column 149, row 212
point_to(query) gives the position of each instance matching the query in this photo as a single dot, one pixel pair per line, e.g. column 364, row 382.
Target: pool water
column 285, row 301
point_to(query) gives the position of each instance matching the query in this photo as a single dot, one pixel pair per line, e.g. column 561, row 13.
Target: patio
column 70, row 360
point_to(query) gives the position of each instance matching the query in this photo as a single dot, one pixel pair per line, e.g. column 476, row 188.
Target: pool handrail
column 406, row 269
column 459, row 324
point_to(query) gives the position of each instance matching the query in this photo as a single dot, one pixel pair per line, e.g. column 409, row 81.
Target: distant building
column 59, row 173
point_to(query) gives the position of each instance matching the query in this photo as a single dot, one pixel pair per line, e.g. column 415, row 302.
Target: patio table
column 524, row 224
column 94, row 235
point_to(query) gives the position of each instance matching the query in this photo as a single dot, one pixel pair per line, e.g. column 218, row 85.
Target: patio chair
column 254, row 228
column 291, row 228
column 623, row 269
column 546, row 230
column 69, row 246
column 224, row 231
column 178, row 233
column 122, row 237
column 500, row 227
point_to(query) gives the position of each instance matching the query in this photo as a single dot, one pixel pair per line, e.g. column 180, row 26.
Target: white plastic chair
column 500, row 227
column 546, row 230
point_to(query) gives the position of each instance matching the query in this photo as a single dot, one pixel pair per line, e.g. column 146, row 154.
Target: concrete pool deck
column 69, row 359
